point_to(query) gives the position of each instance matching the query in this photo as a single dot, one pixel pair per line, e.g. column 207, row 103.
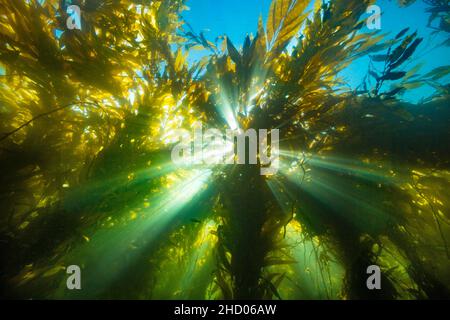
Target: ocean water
column 237, row 19
column 93, row 204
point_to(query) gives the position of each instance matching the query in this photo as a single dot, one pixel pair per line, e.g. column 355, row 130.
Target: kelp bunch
column 87, row 179
column 438, row 10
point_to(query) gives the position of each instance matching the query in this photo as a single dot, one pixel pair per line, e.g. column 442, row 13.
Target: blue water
column 237, row 18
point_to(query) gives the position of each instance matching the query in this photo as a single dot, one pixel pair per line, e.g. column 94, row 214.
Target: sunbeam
column 115, row 248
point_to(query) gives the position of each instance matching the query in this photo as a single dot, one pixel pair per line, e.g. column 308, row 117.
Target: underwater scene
column 225, row 149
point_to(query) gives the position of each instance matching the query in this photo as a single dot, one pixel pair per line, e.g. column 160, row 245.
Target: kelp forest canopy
column 87, row 122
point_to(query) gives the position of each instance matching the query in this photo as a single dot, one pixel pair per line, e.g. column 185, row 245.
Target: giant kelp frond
column 439, row 10
column 89, row 84
column 310, row 72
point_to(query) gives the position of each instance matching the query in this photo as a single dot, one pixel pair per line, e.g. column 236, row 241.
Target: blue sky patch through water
column 238, row 18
